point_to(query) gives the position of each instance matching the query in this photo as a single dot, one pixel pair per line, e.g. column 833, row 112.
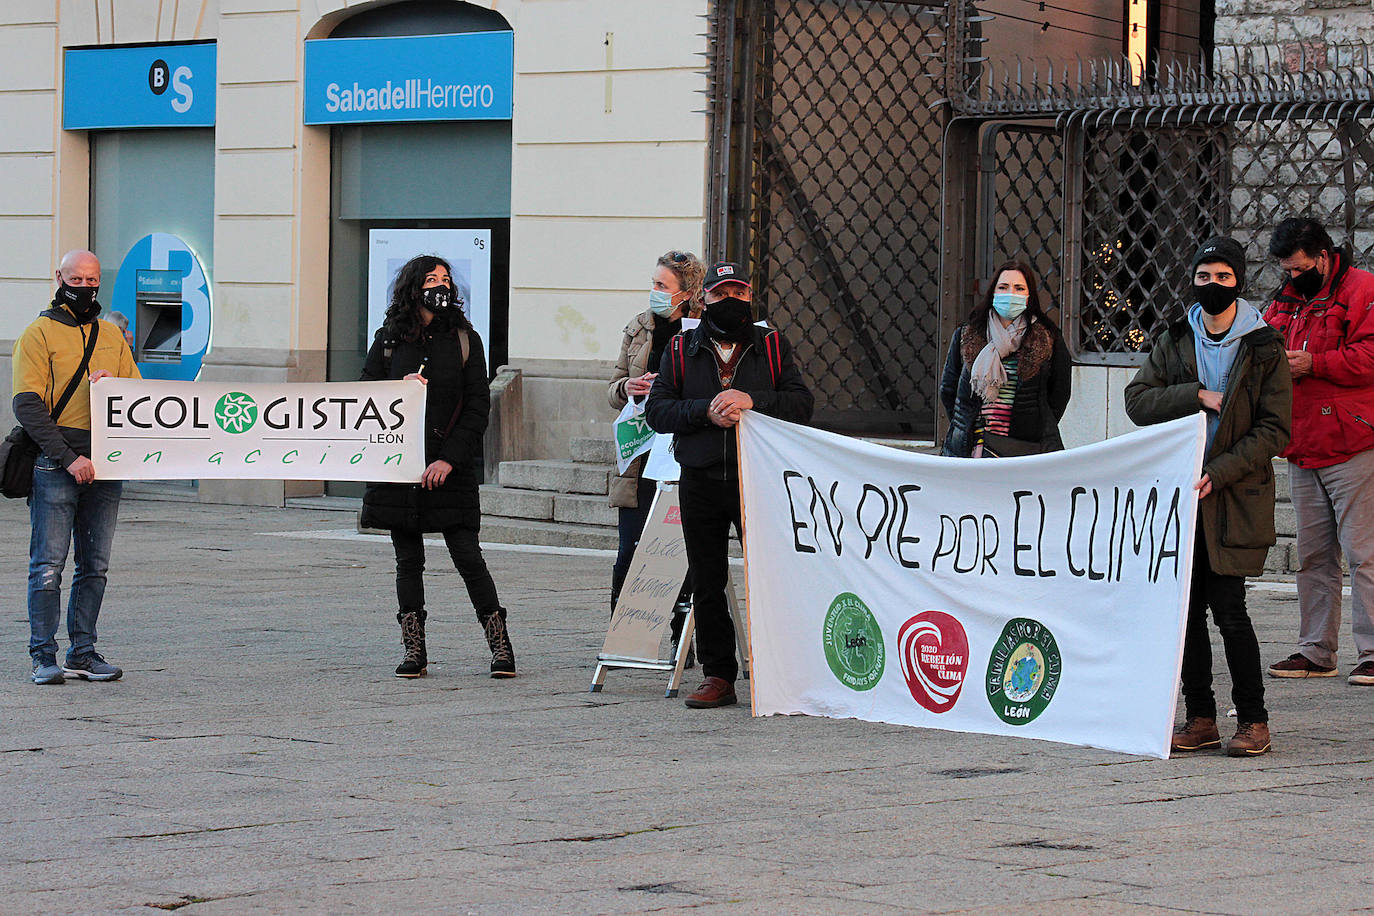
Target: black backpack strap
column 80, row 372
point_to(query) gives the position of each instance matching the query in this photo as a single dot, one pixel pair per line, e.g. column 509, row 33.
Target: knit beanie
column 1228, row 251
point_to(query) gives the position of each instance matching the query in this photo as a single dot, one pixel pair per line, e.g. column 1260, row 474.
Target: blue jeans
column 61, row 512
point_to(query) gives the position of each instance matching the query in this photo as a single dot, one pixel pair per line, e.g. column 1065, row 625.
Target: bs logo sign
column 1023, row 671
column 160, row 76
column 933, row 648
column 853, row 643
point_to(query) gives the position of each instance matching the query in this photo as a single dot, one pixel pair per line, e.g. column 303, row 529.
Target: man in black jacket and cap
column 708, row 377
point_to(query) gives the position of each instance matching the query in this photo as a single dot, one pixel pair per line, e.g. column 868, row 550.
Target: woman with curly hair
column 675, row 291
column 426, row 337
column 1008, row 375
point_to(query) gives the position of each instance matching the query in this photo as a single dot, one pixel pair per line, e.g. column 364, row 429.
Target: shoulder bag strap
column 80, row 373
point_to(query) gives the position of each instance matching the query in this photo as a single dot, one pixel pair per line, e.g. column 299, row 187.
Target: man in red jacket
column 1323, row 311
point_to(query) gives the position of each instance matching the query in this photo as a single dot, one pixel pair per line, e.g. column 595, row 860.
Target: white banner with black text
column 154, row 430
column 1042, row 597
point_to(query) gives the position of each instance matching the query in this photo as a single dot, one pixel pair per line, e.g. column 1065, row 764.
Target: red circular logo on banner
column 933, row 648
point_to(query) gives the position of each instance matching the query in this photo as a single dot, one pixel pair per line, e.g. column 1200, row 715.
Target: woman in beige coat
column 675, row 292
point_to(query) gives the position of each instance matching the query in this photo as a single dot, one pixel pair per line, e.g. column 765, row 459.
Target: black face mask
column 1308, row 283
column 80, row 299
column 1214, row 298
column 439, row 299
column 728, row 319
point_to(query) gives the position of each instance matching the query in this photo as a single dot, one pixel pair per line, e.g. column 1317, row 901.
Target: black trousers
column 709, row 508
column 1225, row 595
column 467, row 559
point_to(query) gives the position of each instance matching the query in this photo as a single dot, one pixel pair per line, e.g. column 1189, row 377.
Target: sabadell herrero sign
column 155, row 430
column 459, row 77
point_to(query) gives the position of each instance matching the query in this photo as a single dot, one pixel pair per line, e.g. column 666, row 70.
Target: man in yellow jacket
column 68, row 505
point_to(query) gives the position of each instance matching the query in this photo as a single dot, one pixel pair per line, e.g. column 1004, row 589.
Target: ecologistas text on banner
column 152, row 430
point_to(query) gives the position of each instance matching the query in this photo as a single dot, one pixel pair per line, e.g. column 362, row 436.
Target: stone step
column 576, row 509
column 593, row 450
column 508, row 502
column 1285, row 520
column 559, row 476
column 548, row 534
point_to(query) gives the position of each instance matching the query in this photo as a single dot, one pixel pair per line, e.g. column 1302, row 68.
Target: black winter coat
column 1044, row 383
column 455, row 504
column 678, row 405
column 1255, row 423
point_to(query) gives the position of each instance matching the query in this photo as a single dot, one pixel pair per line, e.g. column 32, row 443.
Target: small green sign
column 853, row 643
column 1023, row 671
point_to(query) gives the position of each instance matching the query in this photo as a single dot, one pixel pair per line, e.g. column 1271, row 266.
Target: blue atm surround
column 160, row 270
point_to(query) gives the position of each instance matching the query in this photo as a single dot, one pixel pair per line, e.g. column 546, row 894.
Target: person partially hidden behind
column 68, row 504
column 1324, row 312
column 1223, row 359
column 708, row 377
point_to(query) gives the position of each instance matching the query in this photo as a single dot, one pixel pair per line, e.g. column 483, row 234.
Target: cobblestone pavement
column 259, row 757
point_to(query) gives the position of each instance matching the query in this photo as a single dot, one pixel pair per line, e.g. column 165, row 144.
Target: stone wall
column 1314, row 33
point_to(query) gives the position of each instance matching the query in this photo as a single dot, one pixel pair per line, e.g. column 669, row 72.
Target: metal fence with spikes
column 873, row 167
column 1109, row 179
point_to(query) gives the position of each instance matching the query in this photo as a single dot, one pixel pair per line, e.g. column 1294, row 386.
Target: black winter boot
column 413, row 638
column 502, row 654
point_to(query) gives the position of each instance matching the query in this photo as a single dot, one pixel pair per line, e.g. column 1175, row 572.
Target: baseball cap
column 725, row 272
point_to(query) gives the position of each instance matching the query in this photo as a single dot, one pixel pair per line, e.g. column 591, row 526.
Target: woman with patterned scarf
column 1007, row 378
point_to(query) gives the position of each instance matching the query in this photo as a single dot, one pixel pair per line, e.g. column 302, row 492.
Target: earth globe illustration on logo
column 853, row 643
column 236, row 412
column 1023, row 671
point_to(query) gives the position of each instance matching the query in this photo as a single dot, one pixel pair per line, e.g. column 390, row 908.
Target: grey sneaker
column 91, row 667
column 45, row 671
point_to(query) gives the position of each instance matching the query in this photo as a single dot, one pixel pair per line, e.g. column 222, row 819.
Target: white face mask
column 661, row 303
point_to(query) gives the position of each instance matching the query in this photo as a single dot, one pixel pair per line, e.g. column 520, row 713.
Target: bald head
column 79, row 268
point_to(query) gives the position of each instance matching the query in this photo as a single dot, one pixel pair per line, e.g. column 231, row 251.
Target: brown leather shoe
column 713, row 692
column 1251, row 740
column 1299, row 665
column 1195, row 734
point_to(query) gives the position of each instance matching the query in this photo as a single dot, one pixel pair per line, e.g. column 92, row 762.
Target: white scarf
column 988, row 374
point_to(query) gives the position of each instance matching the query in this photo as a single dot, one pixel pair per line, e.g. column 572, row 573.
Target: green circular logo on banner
column 853, row 643
column 236, row 412
column 1023, row 671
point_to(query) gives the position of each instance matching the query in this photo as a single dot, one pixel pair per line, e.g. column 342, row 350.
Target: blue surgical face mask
column 1009, row 305
column 661, row 303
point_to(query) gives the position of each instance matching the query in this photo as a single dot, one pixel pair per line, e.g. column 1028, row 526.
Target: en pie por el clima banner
column 155, row 430
column 1040, row 597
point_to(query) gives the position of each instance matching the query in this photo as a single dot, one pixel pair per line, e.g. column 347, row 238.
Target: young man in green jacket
column 1223, row 359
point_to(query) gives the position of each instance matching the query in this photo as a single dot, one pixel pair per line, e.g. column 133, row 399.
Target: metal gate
column 828, row 184
column 1136, row 176
column 873, row 168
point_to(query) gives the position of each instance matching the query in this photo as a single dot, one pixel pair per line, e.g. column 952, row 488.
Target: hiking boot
column 1196, row 733
column 91, row 667
column 413, row 639
column 1251, row 740
column 1299, row 665
column 1362, row 675
column 498, row 640
column 713, row 692
column 45, row 671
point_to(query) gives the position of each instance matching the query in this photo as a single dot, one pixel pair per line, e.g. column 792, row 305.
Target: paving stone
column 259, row 756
